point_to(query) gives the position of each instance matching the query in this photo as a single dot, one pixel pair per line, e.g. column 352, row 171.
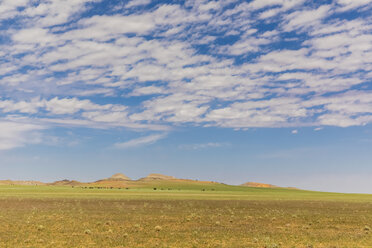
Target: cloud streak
column 142, row 141
column 202, row 146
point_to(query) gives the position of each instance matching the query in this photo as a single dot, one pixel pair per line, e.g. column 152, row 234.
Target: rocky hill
column 155, row 176
column 118, row 176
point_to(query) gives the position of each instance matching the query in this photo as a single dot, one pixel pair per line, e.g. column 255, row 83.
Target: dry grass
column 181, row 223
column 120, row 222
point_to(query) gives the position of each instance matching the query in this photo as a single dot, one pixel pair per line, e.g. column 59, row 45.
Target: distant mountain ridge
column 120, row 180
column 66, row 182
column 155, row 176
column 19, row 182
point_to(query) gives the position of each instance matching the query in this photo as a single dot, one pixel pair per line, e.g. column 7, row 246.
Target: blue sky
column 272, row 91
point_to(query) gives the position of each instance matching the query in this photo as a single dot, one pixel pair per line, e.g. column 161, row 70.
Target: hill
column 155, row 176
column 66, row 182
column 259, row 185
column 118, row 177
column 117, row 180
column 153, row 181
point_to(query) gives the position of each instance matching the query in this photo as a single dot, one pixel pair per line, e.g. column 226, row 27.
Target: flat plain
column 177, row 215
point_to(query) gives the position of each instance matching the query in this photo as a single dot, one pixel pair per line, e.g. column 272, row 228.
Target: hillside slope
column 153, row 181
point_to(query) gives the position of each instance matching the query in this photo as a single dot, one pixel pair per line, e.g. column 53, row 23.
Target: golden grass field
column 222, row 216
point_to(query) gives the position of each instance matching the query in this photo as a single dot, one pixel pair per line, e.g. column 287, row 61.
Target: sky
column 273, row 91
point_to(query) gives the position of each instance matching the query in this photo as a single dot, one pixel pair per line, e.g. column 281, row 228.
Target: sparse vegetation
column 52, row 216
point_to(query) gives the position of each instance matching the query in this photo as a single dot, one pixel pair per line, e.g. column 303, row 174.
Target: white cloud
column 37, row 36
column 351, row 4
column 71, row 105
column 306, row 18
column 245, row 46
column 342, row 120
column 148, row 90
column 13, row 134
column 134, row 3
column 294, row 131
column 54, row 12
column 72, row 74
column 8, row 8
column 142, row 141
column 275, row 112
column 21, row 106
column 258, row 4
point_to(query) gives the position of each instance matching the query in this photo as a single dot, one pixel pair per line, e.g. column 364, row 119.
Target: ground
column 50, row 216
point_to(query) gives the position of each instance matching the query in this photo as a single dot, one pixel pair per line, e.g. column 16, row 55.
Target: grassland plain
column 181, row 215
